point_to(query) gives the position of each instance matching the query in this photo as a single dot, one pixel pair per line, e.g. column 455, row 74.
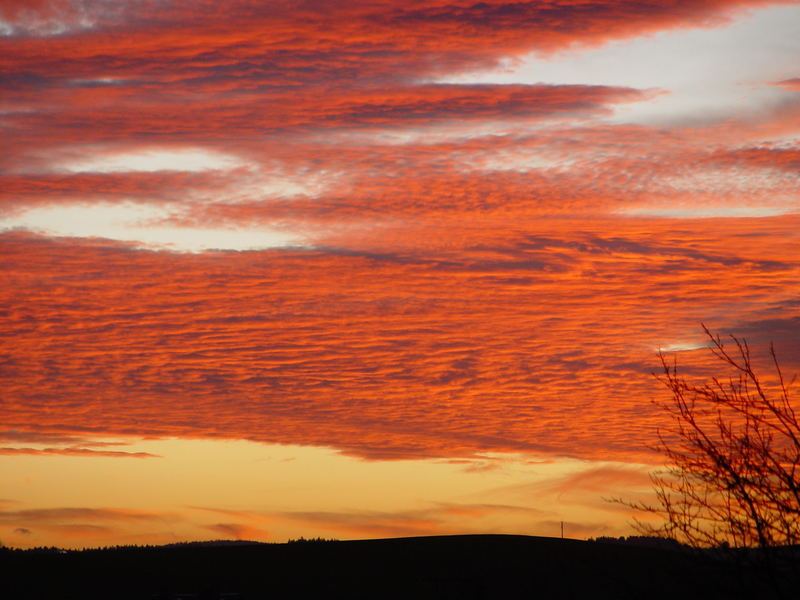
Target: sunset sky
column 374, row 268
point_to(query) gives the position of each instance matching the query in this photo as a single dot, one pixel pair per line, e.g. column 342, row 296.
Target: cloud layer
column 541, row 340
column 480, row 267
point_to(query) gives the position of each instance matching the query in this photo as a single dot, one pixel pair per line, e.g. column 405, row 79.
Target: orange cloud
column 69, row 526
column 594, row 481
column 70, row 445
column 442, row 519
column 790, row 84
column 76, row 452
column 435, row 520
column 498, row 280
column 58, row 515
column 528, row 337
column 238, row 531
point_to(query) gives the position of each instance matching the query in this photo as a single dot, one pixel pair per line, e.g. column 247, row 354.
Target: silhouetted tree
column 733, row 454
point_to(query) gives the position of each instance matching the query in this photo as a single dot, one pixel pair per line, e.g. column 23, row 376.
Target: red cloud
column 785, row 158
column 293, row 113
column 321, row 66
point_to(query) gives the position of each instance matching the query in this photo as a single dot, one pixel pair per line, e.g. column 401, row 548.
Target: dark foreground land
column 449, row 567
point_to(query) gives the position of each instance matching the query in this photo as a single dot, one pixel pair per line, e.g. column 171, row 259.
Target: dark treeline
column 452, row 567
column 641, row 540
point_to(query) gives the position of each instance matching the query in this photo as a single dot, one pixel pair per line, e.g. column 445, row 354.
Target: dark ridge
column 469, row 567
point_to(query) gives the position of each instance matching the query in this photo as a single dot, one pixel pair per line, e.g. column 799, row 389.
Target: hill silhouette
column 442, row 567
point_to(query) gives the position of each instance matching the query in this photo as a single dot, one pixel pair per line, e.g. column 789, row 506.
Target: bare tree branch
column 732, row 454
